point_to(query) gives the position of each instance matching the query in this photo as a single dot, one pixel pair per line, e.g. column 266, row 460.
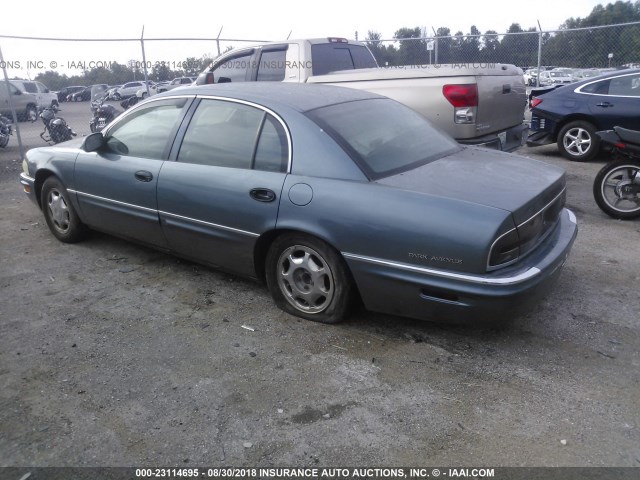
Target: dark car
column 66, row 91
column 328, row 194
column 84, row 95
column 571, row 115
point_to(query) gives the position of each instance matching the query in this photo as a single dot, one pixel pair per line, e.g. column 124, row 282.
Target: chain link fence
column 58, row 63
column 582, row 48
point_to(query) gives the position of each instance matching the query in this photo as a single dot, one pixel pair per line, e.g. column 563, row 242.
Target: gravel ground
column 112, row 354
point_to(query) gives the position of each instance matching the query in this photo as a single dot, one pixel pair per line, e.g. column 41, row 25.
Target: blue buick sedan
column 331, row 196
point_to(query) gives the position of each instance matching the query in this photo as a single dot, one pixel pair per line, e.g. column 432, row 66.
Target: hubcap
column 577, row 141
column 59, row 211
column 620, row 188
column 305, row 279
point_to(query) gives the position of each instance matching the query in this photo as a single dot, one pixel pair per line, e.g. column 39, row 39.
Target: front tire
column 309, row 279
column 578, row 141
column 615, row 189
column 61, row 217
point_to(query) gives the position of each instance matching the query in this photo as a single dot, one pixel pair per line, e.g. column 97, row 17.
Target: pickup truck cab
column 477, row 104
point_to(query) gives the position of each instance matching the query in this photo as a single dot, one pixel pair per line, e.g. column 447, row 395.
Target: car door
column 116, row 186
column 615, row 101
column 222, row 189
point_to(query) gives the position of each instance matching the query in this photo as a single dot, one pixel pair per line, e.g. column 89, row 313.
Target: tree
column 470, row 46
column 490, row 46
column 53, row 80
column 411, row 52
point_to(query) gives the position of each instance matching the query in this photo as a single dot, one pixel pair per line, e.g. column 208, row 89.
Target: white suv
column 44, row 96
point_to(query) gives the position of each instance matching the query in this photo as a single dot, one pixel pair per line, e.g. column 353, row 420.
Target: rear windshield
column 331, row 57
column 383, row 136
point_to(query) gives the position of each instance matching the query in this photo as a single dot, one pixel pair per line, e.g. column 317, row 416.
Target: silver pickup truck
column 477, row 104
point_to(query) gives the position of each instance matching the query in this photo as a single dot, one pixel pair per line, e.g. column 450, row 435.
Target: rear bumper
column 537, row 139
column 411, row 291
column 507, row 140
column 541, row 131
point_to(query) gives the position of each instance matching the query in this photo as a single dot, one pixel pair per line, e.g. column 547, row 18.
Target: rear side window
column 331, row 57
column 233, row 135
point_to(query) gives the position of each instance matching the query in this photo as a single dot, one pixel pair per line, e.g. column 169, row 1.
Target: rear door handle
column 143, row 176
column 604, row 104
column 263, row 194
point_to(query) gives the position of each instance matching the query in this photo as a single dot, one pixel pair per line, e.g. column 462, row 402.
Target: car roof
column 300, row 97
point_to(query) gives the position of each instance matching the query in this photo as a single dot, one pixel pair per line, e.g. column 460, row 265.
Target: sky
column 247, row 19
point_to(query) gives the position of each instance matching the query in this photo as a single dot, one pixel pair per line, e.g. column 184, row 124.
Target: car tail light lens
column 464, row 95
column 535, row 102
column 526, row 236
column 464, row 98
column 505, row 250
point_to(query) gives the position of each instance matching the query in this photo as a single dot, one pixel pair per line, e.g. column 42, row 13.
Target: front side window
column 271, row 67
column 234, row 135
column 146, row 132
column 233, row 70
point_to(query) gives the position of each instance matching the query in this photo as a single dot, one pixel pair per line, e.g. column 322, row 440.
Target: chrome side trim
column 209, row 224
column 519, row 278
column 146, row 209
column 117, row 202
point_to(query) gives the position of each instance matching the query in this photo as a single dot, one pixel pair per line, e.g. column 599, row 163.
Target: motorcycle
column 56, row 129
column 617, row 185
column 102, row 112
column 6, row 129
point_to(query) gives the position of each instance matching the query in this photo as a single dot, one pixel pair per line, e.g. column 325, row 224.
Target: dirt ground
column 112, row 354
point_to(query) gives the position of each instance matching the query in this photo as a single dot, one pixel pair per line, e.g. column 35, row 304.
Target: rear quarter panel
column 369, row 219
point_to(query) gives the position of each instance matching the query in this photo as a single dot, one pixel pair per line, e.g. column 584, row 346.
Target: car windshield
column 383, row 136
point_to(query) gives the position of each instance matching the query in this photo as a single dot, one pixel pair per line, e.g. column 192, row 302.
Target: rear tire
column 578, row 141
column 309, row 279
column 61, row 217
column 608, row 189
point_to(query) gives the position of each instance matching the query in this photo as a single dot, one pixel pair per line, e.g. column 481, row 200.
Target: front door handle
column 143, row 176
column 604, row 104
column 263, row 194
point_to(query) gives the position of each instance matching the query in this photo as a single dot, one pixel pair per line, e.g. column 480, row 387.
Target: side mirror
column 17, row 92
column 93, row 142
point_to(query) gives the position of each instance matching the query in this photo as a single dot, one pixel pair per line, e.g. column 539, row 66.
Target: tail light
column 535, row 102
column 337, row 40
column 464, row 98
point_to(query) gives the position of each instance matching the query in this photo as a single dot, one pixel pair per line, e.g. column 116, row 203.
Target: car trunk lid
column 517, row 184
